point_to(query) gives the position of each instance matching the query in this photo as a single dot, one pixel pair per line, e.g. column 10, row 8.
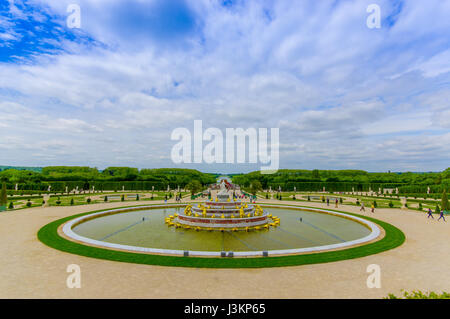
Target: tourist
column 336, row 203
column 362, row 207
column 373, row 208
column 430, row 213
column 328, row 201
column 441, row 215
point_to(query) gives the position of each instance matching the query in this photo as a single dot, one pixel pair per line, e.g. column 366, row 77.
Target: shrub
column 375, row 203
column 88, row 200
column 293, row 197
column 341, row 200
column 420, row 295
column 11, row 205
column 391, row 204
column 105, row 199
column 357, row 202
column 309, row 198
column 437, row 209
column 122, row 198
column 444, row 201
column 58, row 201
column 28, row 204
column 420, row 207
column 71, row 202
column 137, row 196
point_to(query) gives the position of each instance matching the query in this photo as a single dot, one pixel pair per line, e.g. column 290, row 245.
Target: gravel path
column 29, row 269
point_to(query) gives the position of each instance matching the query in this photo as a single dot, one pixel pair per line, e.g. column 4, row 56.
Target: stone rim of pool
column 67, row 231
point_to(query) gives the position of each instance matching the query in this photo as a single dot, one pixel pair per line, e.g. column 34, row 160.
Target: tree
column 444, row 201
column 437, row 209
column 255, row 187
column 315, row 174
column 194, row 186
column 3, row 197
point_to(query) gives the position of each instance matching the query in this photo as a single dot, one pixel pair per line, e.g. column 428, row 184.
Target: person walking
column 373, row 208
column 362, row 207
column 328, row 201
column 430, row 213
column 441, row 215
column 336, row 202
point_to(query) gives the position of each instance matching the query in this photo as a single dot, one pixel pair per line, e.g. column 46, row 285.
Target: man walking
column 442, row 215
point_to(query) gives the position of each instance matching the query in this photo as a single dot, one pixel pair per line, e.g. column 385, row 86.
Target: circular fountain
column 223, row 214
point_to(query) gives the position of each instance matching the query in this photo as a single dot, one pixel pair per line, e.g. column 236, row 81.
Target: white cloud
column 313, row 69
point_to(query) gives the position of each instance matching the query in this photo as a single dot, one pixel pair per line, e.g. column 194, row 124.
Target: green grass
column 48, row 235
column 420, row 295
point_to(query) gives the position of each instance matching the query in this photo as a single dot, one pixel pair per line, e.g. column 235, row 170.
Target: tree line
column 111, row 178
column 347, row 180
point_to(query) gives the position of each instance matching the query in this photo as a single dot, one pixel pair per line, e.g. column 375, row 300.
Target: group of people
column 363, row 209
column 336, row 202
column 430, row 214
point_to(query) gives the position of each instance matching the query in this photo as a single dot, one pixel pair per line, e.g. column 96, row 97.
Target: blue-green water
column 146, row 228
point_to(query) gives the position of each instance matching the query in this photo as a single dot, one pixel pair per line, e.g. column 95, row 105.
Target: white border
column 67, row 230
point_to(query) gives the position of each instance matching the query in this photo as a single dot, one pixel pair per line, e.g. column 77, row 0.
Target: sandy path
column 29, row 269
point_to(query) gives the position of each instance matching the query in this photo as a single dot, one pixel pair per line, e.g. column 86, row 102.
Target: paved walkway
column 29, row 269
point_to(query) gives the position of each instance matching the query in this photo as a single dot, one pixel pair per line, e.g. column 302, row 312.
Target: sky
column 111, row 92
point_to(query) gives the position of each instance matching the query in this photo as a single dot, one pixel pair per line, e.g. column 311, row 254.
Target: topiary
column 391, row 204
column 106, row 198
column 11, row 205
column 88, row 200
column 72, row 202
column 437, row 209
column 28, row 204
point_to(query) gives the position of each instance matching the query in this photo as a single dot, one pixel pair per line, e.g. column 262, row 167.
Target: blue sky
column 110, row 93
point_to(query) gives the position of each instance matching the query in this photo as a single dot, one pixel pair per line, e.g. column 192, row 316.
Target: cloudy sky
column 110, row 93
